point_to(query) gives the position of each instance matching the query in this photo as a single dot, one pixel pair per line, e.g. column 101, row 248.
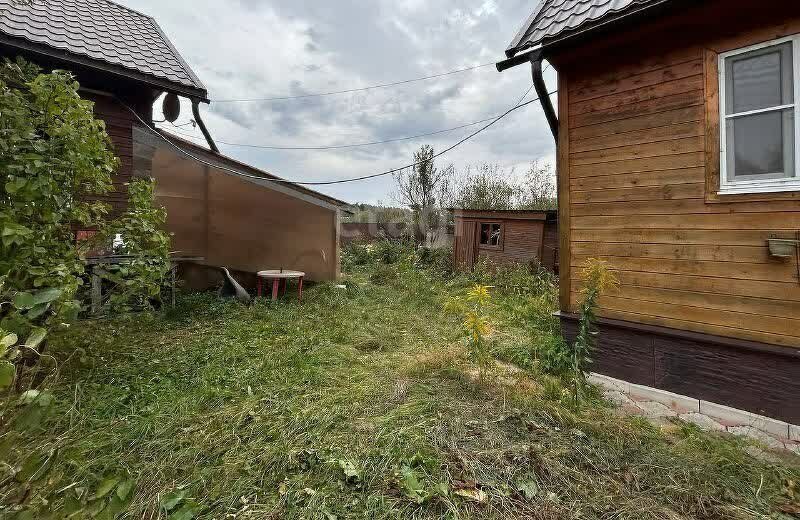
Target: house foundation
column 759, row 378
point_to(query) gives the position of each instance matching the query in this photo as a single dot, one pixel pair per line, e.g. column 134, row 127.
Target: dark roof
column 554, row 20
column 215, row 158
column 506, row 214
column 99, row 34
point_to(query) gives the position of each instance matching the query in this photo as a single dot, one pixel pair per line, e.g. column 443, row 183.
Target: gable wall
column 633, row 157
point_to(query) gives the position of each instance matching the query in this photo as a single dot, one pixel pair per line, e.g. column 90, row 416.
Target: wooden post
column 563, row 176
column 173, row 273
column 97, row 292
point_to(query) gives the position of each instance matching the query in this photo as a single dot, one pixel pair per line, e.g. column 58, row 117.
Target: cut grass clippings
column 356, row 403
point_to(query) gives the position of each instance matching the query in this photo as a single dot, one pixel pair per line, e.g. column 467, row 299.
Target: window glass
column 763, row 145
column 760, row 79
column 490, row 234
column 494, row 239
column 759, row 135
column 484, row 233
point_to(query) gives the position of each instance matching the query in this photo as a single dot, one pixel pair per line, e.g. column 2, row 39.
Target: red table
column 280, row 277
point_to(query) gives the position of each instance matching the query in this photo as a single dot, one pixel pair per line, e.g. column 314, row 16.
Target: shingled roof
column 555, row 20
column 99, row 34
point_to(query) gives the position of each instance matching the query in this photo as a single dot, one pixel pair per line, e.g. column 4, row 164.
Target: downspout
column 535, row 58
column 202, row 125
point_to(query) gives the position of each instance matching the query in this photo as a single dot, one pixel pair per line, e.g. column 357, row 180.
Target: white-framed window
column 759, row 90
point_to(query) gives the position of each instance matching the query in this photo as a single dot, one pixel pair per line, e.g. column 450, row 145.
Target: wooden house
column 678, row 134
column 218, row 209
column 503, row 237
column 121, row 58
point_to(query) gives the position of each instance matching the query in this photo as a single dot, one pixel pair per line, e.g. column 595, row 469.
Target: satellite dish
column 171, row 107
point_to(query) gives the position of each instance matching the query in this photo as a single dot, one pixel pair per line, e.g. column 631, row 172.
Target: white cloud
column 254, row 48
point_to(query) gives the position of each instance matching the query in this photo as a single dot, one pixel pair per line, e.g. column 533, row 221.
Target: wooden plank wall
column 119, row 126
column 522, row 242
column 550, row 246
column 637, row 198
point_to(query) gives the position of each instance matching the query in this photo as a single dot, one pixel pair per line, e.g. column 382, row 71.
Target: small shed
column 231, row 214
column 503, row 237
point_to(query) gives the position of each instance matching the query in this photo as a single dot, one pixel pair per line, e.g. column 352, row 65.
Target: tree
column 538, row 188
column 481, row 187
column 418, row 188
column 55, row 158
column 488, row 187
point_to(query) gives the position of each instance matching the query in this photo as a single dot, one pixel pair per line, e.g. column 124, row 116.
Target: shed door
column 465, row 246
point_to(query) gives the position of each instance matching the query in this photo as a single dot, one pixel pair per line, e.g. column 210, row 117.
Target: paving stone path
column 644, row 404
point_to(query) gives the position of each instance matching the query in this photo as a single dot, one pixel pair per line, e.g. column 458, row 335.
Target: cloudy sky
column 269, row 48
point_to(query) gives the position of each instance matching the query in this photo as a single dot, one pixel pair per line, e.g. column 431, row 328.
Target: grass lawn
column 356, row 403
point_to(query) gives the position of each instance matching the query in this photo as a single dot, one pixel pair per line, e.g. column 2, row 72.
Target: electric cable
column 340, row 181
column 352, row 145
column 348, row 91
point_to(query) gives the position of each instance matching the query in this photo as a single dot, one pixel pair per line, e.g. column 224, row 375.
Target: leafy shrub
column 392, row 251
column 54, row 156
column 438, row 261
column 387, row 252
column 554, row 356
column 138, row 282
column 383, row 275
column 516, row 278
column 597, row 278
column 356, row 254
column 477, row 326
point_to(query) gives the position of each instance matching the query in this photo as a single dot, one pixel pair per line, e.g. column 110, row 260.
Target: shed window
column 491, row 234
column 759, row 131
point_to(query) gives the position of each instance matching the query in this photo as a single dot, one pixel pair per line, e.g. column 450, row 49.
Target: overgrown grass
column 359, row 403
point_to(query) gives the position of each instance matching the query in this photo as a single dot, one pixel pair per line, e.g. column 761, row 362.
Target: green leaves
column 23, row 301
column 178, row 507
column 26, row 300
column 55, row 160
column 171, row 500
column 7, row 373
column 14, row 233
column 8, row 341
column 352, row 475
column 528, row 489
column 411, row 486
column 35, row 339
column 106, row 486
column 33, row 406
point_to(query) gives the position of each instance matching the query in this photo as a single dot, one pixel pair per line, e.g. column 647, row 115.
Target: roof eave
column 64, row 55
column 582, row 30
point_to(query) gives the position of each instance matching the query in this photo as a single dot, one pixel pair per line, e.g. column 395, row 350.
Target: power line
column 349, row 91
column 353, row 145
column 340, row 181
column 341, row 146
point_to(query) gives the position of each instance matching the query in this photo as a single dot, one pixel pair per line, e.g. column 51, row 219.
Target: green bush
column 438, row 261
column 520, row 279
column 392, row 251
column 357, row 254
column 383, row 274
column 360, row 254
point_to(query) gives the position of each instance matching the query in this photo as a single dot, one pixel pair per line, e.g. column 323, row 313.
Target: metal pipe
column 519, row 59
column 544, row 96
column 202, row 125
column 535, row 58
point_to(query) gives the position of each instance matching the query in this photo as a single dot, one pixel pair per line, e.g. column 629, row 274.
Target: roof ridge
column 131, row 9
